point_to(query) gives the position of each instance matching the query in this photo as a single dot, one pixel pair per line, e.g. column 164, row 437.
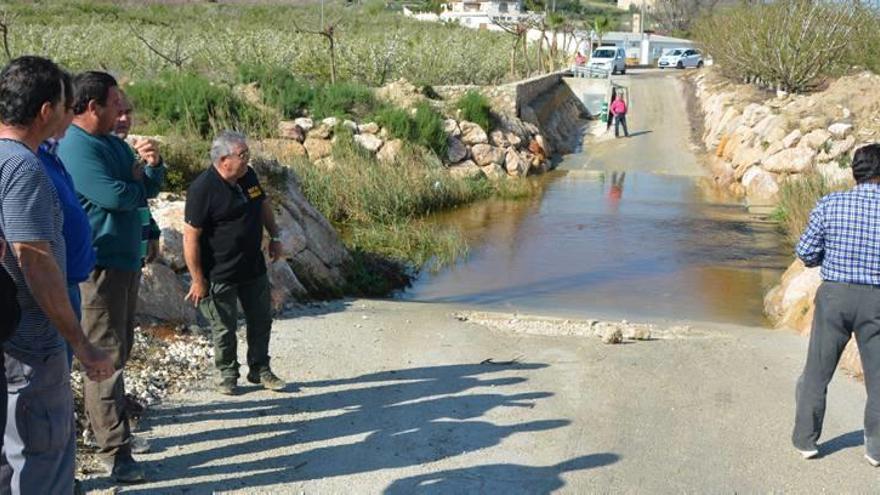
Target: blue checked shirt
column 843, row 236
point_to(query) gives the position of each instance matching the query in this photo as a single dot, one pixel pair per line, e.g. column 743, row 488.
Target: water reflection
column 665, row 249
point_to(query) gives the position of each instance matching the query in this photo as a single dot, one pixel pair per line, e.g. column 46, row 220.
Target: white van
column 610, row 58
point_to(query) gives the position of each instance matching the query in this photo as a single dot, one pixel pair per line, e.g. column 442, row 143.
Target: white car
column 609, row 58
column 681, row 58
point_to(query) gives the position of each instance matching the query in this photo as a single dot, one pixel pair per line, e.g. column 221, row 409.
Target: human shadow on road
column 498, row 478
column 421, row 416
column 639, row 133
column 842, row 442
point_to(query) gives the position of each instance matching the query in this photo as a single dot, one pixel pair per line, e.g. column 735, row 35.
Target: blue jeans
column 76, row 302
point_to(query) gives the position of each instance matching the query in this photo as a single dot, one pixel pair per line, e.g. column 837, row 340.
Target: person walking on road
column 618, row 112
column 841, row 238
column 226, row 211
column 39, row 444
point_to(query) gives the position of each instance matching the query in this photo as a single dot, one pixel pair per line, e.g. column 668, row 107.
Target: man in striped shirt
column 39, row 441
column 843, row 237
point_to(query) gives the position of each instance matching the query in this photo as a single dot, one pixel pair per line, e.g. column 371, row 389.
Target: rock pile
column 790, row 305
column 514, row 149
column 758, row 143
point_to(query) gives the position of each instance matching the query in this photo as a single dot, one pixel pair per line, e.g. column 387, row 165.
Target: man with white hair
column 226, row 211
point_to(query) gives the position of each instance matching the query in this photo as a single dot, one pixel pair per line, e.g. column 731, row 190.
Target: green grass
column 279, row 88
column 797, row 200
column 189, row 104
column 475, row 108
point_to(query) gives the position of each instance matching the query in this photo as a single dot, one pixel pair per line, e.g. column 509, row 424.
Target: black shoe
column 226, row 385
column 124, row 469
column 267, row 379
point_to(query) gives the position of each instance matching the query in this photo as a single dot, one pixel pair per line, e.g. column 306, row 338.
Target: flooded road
column 654, row 249
column 624, row 230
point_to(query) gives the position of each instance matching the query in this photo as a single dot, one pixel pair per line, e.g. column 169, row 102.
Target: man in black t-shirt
column 226, row 211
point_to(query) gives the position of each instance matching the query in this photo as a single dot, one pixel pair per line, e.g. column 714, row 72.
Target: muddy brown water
column 605, row 244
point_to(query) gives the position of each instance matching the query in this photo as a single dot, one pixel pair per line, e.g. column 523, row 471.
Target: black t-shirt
column 231, row 222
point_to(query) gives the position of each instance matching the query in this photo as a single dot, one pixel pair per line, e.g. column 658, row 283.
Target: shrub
column 186, row 157
column 797, row 199
column 791, row 45
column 190, row 104
column 279, row 87
column 396, row 120
column 428, row 129
column 344, row 100
column 476, row 108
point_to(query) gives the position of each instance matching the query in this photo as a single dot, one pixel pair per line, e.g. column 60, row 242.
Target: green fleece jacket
column 101, row 168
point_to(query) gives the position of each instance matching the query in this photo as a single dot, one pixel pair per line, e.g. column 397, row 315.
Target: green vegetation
column 194, row 69
column 189, row 104
column 793, row 45
column 379, row 206
column 475, row 108
column 140, row 40
column 425, row 127
column 796, row 200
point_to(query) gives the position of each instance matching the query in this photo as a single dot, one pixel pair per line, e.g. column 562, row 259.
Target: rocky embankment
column 758, row 141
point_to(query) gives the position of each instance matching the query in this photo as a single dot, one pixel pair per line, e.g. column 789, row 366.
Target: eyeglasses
column 244, row 155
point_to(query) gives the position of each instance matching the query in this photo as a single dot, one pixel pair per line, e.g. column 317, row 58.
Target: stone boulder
column 330, row 122
column 282, row 149
column 304, row 123
column 284, row 287
column 456, row 150
column 790, row 304
column 494, row 171
column 318, row 148
column 472, row 133
column 351, row 126
column 840, row 130
column 754, row 113
column 390, row 151
column 792, row 138
column 319, row 259
column 466, row 170
column 761, row 186
column 368, row 128
column 498, row 138
column 484, row 154
column 516, row 165
column 369, row 142
column 746, row 157
column 161, row 296
column 815, row 139
column 791, row 160
column 450, row 127
column 169, row 217
column 287, row 129
column 321, row 131
column 839, row 148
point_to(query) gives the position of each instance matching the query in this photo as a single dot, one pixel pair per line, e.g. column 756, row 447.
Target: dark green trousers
column 220, row 308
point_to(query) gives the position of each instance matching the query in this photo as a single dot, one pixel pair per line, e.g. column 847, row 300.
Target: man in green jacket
column 113, row 186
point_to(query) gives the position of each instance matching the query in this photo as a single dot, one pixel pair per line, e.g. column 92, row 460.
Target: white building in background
column 477, row 14
column 642, row 48
column 625, row 4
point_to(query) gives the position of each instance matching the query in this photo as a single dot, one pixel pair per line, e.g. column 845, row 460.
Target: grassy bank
column 796, row 200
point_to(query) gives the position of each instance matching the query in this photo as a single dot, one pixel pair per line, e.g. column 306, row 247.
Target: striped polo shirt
column 29, row 212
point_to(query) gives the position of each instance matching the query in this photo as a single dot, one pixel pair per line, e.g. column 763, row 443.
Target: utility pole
column 641, row 20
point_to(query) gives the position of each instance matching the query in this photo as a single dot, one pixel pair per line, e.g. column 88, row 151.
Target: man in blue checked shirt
column 843, row 237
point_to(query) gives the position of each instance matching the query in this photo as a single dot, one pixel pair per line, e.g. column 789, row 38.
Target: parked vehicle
column 681, row 58
column 609, row 58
